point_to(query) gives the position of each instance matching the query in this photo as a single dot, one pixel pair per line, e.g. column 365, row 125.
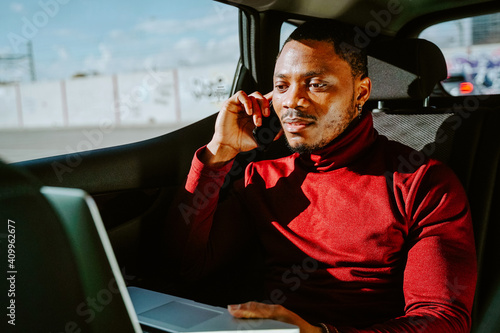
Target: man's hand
column 271, row 311
column 233, row 128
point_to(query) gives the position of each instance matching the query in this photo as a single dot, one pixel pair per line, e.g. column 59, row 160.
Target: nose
column 295, row 97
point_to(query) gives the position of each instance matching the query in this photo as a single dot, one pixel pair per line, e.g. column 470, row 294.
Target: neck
column 358, row 135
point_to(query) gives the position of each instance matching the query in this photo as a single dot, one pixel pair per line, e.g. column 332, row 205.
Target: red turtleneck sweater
column 365, row 234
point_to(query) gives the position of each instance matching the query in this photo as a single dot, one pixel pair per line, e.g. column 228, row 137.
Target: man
column 353, row 241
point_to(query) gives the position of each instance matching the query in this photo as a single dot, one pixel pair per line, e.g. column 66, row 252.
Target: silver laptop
column 95, row 258
column 92, row 253
column 175, row 314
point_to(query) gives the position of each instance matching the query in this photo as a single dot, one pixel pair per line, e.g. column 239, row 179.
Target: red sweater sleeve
column 207, row 245
column 440, row 274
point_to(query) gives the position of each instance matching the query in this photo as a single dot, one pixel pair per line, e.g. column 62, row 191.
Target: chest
column 337, row 217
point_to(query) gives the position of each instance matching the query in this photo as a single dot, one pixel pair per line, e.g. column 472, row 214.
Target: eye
column 280, row 87
column 317, row 85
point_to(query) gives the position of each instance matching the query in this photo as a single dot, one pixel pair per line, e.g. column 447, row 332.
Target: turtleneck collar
column 343, row 149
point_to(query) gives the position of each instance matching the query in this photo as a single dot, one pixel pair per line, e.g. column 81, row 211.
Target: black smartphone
column 271, row 126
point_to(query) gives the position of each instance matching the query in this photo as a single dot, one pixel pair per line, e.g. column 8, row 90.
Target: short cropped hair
column 341, row 36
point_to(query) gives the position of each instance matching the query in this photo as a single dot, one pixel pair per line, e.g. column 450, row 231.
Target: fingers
column 271, row 311
column 257, row 111
column 256, row 310
column 260, row 108
column 248, row 310
column 237, row 119
column 242, row 100
column 269, row 95
column 255, row 105
column 263, row 102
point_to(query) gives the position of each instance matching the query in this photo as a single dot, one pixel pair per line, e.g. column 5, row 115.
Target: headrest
column 404, row 68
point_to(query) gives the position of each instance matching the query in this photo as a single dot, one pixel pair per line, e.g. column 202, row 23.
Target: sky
column 72, row 37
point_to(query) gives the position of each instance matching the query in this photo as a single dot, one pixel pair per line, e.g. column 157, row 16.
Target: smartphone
column 271, row 126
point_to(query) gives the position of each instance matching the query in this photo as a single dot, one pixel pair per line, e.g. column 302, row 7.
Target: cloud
column 160, row 27
column 116, row 34
column 189, row 51
column 16, row 7
column 210, row 39
column 64, row 32
column 160, row 43
column 100, row 63
column 187, row 44
column 215, row 21
column 195, row 52
column 62, row 53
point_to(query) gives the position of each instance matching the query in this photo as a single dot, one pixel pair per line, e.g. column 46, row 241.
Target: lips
column 296, row 125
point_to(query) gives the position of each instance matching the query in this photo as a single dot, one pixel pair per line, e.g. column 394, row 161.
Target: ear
column 363, row 89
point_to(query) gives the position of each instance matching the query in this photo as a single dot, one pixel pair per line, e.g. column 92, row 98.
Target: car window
column 471, row 47
column 86, row 74
column 286, row 30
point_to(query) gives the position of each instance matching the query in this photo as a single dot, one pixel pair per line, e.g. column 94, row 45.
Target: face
column 315, row 94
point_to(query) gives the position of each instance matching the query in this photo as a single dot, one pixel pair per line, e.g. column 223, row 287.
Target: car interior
column 134, row 185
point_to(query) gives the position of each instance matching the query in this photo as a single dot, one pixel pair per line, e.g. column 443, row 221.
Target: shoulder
column 418, row 177
column 403, row 159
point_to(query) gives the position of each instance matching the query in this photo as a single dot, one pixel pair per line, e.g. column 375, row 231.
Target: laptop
column 133, row 307
column 178, row 315
column 91, row 251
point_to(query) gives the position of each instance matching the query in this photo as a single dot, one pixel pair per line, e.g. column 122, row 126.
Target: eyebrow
column 307, row 74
